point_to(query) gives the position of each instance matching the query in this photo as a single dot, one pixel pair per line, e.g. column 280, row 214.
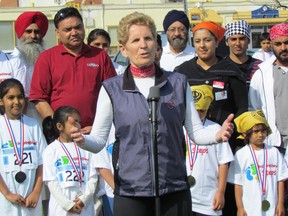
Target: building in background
column 260, row 14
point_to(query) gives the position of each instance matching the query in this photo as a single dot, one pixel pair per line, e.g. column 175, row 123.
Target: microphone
column 154, row 93
column 153, row 98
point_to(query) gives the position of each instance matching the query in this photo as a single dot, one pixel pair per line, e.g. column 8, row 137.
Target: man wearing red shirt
column 70, row 73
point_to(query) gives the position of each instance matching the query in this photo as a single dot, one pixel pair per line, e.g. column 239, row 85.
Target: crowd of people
column 81, row 135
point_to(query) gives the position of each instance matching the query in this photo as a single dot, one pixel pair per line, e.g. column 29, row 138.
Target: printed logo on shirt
column 92, row 64
column 218, row 84
column 62, row 161
column 170, row 105
column 7, row 145
column 65, row 161
column 251, row 171
column 110, row 148
column 197, row 96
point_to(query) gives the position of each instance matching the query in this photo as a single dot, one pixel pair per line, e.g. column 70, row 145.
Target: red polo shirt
column 62, row 79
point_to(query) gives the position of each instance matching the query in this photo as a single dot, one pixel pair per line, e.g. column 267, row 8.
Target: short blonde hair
column 135, row 18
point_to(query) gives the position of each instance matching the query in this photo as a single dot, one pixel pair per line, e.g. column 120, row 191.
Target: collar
column 129, row 84
column 63, row 50
column 188, row 50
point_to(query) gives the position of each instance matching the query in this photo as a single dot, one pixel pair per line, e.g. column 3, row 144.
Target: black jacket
column 229, row 88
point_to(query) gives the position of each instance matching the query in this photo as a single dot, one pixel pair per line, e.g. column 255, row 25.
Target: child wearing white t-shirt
column 207, row 165
column 103, row 164
column 68, row 170
column 258, row 170
column 22, row 144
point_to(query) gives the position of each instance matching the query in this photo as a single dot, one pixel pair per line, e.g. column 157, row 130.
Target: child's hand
column 79, row 202
column 218, row 201
column 15, row 199
column 32, row 200
column 280, row 210
column 241, row 212
column 75, row 209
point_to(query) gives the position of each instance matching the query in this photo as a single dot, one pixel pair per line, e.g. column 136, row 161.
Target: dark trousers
column 230, row 208
column 172, row 204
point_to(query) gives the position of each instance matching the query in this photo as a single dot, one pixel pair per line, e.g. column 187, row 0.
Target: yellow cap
column 203, row 96
column 248, row 120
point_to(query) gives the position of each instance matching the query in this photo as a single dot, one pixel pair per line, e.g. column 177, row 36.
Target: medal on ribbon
column 265, row 205
column 18, row 150
column 78, row 171
column 262, row 178
column 192, row 156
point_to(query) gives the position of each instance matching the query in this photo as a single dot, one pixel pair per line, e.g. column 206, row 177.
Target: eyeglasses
column 65, row 13
column 179, row 29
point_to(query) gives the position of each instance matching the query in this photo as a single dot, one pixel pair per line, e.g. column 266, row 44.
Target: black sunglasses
column 65, row 13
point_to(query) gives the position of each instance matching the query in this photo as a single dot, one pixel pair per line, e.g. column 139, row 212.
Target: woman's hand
column 75, row 131
column 226, row 130
column 86, row 130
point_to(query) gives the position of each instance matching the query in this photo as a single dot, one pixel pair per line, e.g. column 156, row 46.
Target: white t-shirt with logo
column 57, row 167
column 205, row 170
column 34, row 145
column 242, row 172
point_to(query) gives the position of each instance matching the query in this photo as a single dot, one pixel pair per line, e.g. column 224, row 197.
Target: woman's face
column 205, row 44
column 101, row 42
column 140, row 47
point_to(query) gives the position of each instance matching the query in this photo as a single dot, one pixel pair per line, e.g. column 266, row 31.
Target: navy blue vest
column 133, row 169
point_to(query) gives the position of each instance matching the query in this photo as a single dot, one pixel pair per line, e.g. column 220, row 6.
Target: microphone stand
column 153, row 98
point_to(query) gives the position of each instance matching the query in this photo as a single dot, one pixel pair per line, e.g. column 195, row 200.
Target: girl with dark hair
column 67, row 169
column 22, row 144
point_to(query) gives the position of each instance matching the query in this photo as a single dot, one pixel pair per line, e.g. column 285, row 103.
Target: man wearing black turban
column 176, row 25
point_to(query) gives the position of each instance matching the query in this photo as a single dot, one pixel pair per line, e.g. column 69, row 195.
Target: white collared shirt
column 170, row 60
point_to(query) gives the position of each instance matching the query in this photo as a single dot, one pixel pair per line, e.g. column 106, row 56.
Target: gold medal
column 265, row 205
column 191, row 180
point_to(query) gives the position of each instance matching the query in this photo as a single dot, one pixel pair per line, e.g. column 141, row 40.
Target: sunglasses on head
column 65, row 13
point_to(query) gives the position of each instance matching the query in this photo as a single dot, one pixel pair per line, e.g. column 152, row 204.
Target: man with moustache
column 269, row 89
column 176, row 25
column 30, row 28
column 70, row 73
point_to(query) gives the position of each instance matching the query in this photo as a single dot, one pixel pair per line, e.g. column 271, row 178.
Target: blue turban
column 173, row 16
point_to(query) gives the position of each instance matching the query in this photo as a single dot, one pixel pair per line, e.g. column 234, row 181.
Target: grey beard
column 30, row 50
